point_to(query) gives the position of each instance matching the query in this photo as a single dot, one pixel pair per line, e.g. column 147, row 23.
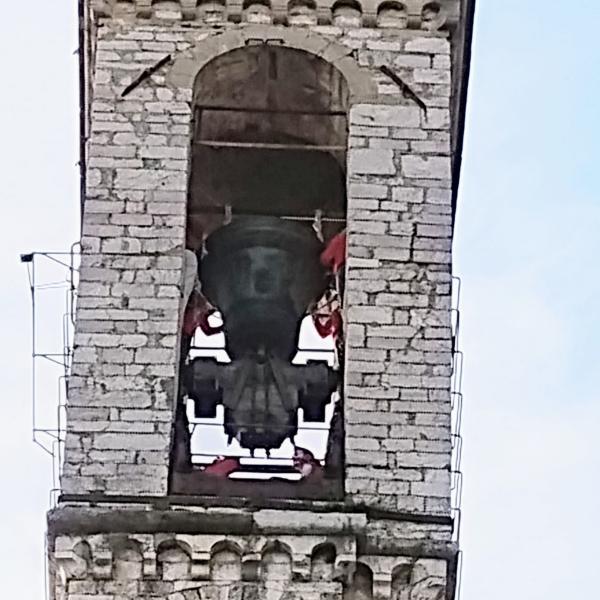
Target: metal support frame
column 217, row 145
column 222, row 210
column 456, row 435
column 257, row 464
column 265, row 146
column 199, row 109
column 247, row 109
column 50, row 436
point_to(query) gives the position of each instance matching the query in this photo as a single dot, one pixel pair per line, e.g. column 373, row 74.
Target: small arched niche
column 401, row 578
column 322, row 562
column 127, row 560
column 392, row 15
column 361, row 587
column 257, row 11
column 347, row 13
column 174, row 562
column 276, row 564
column 81, row 565
column 225, row 562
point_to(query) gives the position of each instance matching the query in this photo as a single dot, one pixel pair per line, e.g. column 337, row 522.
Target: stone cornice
column 405, row 14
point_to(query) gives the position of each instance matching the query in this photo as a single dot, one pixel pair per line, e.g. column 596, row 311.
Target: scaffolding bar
column 268, row 146
column 220, row 210
column 290, row 111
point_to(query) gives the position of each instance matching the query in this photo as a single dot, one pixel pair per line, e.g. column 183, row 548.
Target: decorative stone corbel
column 167, row 10
column 433, row 16
column 449, row 14
column 101, row 8
column 188, row 9
column 414, row 9
column 258, row 11
column 211, row 12
column 426, row 15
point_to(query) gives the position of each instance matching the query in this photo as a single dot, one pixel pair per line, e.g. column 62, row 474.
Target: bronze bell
column 262, row 273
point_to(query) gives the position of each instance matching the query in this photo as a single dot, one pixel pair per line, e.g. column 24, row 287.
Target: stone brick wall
column 398, row 295
column 121, row 392
column 398, row 278
column 398, row 347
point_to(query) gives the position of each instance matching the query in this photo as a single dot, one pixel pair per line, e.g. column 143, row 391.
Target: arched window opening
column 322, row 562
column 270, row 135
column 347, row 13
column 260, row 407
column 393, row 15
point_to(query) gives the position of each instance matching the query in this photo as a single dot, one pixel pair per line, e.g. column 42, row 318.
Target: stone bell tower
column 280, row 165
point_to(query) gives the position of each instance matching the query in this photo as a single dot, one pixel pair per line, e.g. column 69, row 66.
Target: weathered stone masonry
column 398, row 351
column 293, row 555
column 399, row 211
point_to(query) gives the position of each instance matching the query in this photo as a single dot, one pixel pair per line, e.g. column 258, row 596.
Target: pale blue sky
column 527, row 246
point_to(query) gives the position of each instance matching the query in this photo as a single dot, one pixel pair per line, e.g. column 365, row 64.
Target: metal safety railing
column 456, row 420
column 53, row 278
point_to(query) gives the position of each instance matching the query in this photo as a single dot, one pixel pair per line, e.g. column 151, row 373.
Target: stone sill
column 99, row 513
column 197, row 484
column 118, row 517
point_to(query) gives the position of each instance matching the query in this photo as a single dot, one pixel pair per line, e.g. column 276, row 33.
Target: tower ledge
column 409, row 14
column 151, row 550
